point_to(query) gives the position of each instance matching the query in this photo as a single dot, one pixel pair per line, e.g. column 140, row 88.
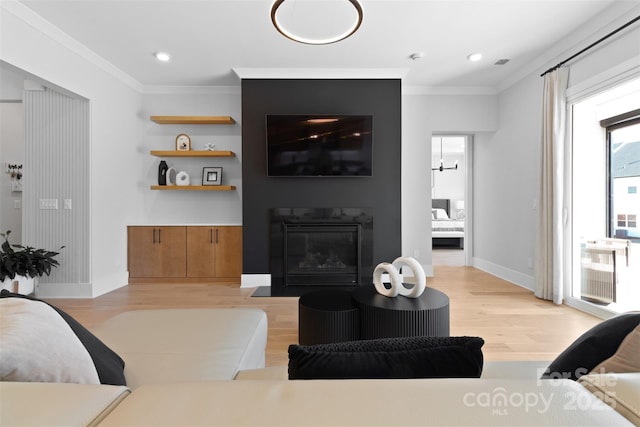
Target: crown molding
column 40, row 24
column 321, row 73
column 449, row 90
column 191, row 90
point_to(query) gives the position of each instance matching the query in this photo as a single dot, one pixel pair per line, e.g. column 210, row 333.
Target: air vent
column 501, row 61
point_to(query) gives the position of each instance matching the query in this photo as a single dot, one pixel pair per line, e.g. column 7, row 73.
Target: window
column 623, row 172
column 605, row 203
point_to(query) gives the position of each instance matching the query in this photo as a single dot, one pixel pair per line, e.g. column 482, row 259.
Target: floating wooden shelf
column 190, row 153
column 193, row 120
column 194, row 187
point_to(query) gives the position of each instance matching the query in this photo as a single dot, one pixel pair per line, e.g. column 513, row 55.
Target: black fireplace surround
column 320, row 247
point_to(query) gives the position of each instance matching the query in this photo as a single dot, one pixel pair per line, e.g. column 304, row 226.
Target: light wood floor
column 513, row 322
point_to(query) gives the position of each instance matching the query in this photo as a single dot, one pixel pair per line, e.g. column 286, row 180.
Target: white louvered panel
column 57, row 167
column 603, row 263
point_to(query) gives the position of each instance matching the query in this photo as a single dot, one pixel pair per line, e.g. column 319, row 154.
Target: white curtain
column 549, row 272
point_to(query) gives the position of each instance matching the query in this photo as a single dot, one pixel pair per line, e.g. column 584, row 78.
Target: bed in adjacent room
column 447, row 232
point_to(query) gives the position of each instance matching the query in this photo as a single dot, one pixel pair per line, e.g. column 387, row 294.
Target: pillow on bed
column 406, row 357
column 43, row 343
column 439, row 213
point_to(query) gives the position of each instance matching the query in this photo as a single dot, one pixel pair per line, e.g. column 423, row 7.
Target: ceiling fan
column 441, row 167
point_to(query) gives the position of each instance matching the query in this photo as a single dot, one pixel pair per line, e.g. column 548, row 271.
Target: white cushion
column 51, row 404
column 621, row 391
column 36, row 344
column 182, row 345
column 456, row 401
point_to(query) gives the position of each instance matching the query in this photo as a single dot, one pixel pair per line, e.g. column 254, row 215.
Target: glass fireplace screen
column 322, row 254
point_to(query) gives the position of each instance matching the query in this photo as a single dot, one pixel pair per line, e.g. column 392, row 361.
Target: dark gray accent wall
column 380, row 98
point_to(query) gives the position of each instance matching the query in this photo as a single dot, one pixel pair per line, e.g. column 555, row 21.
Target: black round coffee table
column 327, row 316
column 384, row 317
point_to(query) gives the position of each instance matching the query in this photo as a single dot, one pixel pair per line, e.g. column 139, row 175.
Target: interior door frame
column 468, row 192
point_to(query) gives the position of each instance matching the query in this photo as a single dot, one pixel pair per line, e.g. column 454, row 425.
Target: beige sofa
column 181, row 366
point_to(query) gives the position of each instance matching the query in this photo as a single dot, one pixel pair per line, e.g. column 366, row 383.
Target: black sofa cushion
column 406, row 357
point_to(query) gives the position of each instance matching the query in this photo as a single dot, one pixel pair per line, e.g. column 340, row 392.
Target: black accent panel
column 380, row 193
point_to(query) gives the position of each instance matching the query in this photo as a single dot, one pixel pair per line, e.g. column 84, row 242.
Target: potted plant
column 22, row 264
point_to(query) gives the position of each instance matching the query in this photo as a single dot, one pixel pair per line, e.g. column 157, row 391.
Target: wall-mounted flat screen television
column 319, row 145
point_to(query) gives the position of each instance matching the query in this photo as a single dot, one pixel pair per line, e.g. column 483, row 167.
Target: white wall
column 115, row 135
column 506, row 183
column 423, row 115
column 192, row 207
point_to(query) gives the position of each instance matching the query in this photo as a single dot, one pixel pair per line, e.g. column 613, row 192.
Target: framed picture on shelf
column 183, row 142
column 211, row 176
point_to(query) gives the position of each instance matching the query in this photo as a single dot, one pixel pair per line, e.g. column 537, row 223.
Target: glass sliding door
column 605, row 243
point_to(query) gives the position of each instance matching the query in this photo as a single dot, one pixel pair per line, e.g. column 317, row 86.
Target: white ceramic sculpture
column 397, row 287
column 182, row 178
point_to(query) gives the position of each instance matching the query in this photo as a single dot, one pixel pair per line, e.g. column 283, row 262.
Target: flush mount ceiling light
column 162, row 56
column 316, row 22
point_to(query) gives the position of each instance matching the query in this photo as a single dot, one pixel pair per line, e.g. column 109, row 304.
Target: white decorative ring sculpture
column 394, row 276
column 418, row 274
column 397, row 287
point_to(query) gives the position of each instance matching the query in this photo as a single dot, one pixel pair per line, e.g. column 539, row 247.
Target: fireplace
column 321, row 253
column 320, row 246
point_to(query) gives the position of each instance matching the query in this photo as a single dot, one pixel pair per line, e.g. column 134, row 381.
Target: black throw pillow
column 406, row 357
column 592, row 347
column 109, row 366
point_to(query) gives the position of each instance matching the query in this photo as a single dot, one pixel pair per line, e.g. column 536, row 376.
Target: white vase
column 24, row 286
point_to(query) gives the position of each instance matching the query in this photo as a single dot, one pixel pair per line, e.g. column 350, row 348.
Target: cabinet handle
column 159, row 235
column 154, row 236
column 216, row 236
column 211, row 235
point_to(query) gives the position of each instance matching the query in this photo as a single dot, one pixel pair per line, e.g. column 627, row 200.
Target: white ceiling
column 208, row 39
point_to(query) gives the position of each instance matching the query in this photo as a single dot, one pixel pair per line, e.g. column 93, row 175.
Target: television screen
column 319, row 145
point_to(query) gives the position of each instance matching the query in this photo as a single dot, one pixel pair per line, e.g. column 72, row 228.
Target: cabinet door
column 142, row 252
column 156, row 251
column 228, row 251
column 172, row 247
column 201, row 252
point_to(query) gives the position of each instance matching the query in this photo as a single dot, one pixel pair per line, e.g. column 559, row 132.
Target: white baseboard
column 255, row 280
column 507, row 274
column 64, row 290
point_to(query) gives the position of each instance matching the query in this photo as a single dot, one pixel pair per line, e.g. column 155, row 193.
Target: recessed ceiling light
column 162, row 56
column 474, row 57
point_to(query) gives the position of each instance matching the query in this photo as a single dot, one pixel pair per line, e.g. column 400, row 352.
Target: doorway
column 451, row 199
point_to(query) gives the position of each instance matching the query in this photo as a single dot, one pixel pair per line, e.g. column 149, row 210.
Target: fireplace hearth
column 320, row 246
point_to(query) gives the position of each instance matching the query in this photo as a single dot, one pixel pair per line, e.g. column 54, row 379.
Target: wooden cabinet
column 157, row 252
column 214, row 252
column 184, row 253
